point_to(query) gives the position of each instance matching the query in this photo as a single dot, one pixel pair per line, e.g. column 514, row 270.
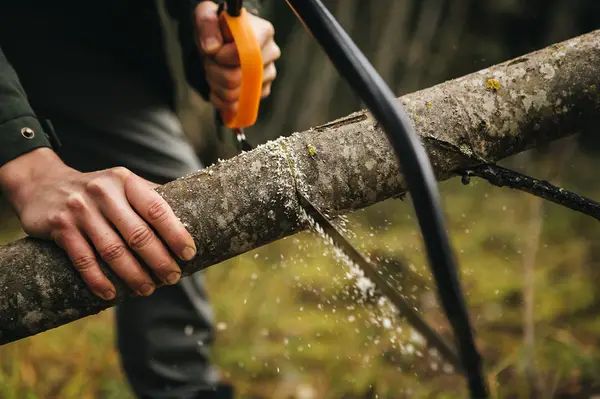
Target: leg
column 164, row 344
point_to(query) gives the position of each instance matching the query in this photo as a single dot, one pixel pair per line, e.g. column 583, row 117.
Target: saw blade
column 370, row 271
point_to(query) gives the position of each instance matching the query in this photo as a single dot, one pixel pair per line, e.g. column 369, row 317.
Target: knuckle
column 158, row 211
column 276, row 52
column 96, row 187
column 59, row 220
column 76, row 202
column 269, row 29
column 83, row 263
column 112, row 252
column 120, row 172
column 140, row 237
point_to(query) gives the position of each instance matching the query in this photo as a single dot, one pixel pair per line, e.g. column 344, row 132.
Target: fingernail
column 108, row 295
column 188, row 253
column 173, row 277
column 146, row 289
column 210, row 44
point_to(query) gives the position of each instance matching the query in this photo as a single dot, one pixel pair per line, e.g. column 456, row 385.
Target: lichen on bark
column 250, row 200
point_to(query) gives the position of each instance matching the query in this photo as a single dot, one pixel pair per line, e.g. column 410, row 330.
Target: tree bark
column 250, row 200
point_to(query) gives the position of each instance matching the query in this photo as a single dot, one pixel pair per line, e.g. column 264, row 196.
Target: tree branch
column 251, row 200
column 502, row 177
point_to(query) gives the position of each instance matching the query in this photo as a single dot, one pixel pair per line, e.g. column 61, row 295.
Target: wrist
column 21, row 173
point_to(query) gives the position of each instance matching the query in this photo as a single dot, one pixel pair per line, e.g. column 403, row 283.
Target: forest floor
column 290, row 324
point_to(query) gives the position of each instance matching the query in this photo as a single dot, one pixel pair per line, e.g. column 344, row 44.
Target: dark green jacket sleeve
column 20, row 130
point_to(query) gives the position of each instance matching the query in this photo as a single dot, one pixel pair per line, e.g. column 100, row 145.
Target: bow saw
column 372, row 90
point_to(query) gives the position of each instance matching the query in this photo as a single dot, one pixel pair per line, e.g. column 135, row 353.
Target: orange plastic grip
column 252, row 72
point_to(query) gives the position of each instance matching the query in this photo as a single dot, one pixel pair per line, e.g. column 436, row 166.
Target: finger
column 208, row 27
column 269, row 74
column 113, row 251
column 85, row 262
column 266, row 91
column 223, row 106
column 227, row 96
column 263, row 30
column 138, row 235
column 218, row 75
column 270, row 53
column 228, row 55
column 268, row 77
column 155, row 210
column 109, row 244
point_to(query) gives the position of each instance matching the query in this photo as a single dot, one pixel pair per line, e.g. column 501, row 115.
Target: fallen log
column 251, row 200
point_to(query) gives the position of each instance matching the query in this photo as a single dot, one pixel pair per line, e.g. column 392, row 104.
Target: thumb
column 208, row 28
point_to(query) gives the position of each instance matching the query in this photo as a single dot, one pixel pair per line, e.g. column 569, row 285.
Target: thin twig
column 503, row 177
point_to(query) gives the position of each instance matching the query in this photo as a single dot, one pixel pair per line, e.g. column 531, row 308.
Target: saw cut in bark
column 250, row 200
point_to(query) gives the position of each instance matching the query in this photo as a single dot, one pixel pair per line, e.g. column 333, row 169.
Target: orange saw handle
column 252, row 71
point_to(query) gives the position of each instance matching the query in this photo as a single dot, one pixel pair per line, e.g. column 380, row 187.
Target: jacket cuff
column 21, row 135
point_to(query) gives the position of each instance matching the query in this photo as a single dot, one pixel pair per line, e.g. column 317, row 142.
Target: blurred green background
column 289, row 322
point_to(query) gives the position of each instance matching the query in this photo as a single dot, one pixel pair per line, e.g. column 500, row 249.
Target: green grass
column 291, row 326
